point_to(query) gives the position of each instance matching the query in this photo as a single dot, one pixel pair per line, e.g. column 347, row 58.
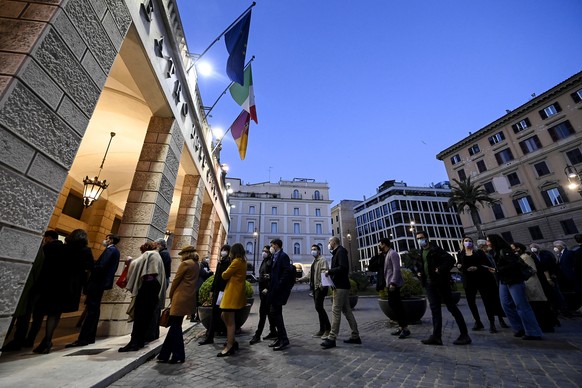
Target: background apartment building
column 343, row 225
column 524, row 159
column 398, row 211
column 295, row 211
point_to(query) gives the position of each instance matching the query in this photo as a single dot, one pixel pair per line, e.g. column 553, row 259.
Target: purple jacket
column 392, row 272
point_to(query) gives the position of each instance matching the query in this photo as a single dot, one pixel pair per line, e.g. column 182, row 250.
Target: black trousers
column 276, row 316
column 89, row 328
column 174, row 342
column 438, row 294
column 318, row 299
column 395, row 303
column 146, row 302
column 264, row 309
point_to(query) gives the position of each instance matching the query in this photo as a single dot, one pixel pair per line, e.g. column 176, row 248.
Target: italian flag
column 244, row 95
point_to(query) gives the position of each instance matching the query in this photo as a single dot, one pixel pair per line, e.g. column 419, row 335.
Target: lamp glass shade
column 92, row 190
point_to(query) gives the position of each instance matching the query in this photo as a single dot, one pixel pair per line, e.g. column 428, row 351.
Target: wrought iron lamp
column 94, row 187
column 573, row 177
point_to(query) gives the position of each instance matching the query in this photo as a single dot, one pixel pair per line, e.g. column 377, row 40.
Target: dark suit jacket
column 103, row 271
column 340, row 268
column 567, row 276
column 376, row 264
column 279, row 289
column 437, row 258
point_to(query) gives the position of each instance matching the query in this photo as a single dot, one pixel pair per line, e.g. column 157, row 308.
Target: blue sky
column 354, row 93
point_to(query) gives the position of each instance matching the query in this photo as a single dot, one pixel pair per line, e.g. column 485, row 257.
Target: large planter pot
column 414, row 308
column 241, row 316
column 250, row 301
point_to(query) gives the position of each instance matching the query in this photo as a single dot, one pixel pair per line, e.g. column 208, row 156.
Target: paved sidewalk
column 382, row 360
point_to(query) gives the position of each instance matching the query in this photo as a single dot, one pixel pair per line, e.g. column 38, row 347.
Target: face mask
column 422, row 242
column 314, row 253
column 329, row 248
column 104, row 243
column 534, row 250
column 223, row 253
column 272, row 250
column 265, row 255
column 468, row 244
column 557, row 250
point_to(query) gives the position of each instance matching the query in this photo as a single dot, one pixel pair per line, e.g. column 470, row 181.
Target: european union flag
column 236, row 43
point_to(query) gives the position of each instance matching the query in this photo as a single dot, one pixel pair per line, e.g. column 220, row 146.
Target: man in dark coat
column 101, row 279
column 279, row 291
column 264, row 282
column 435, row 275
column 339, row 274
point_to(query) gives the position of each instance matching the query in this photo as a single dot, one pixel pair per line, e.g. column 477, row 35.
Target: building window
column 524, row 205
column 504, row 156
column 295, row 211
column 554, row 196
column 574, row 156
column 296, row 228
column 577, row 96
column 569, row 227
column 462, row 175
column 250, row 248
column 530, row 144
column 541, row 168
column 550, row 111
column 318, row 213
column 296, row 249
column 488, row 186
column 274, row 210
column 295, row 194
column 497, row 211
column 561, row 131
column 507, row 236
column 497, row 138
column 455, row 159
column 513, row 179
column 474, row 149
column 74, row 206
column 316, row 195
column 318, row 229
column 481, row 166
column 251, row 210
column 523, row 124
column 274, row 227
column 250, row 226
column 536, row 233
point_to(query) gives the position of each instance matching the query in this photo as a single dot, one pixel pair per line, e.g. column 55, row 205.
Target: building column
column 206, row 233
column 219, row 238
column 188, row 219
column 146, row 214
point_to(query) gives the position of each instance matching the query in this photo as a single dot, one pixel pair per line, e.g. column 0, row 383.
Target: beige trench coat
column 183, row 289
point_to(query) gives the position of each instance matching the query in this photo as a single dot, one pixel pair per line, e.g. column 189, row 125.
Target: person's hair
column 520, row 246
column 578, row 238
column 148, row 246
column 238, row 252
column 114, row 237
column 424, row 233
column 77, row 236
column 335, row 239
column 277, row 242
column 52, row 234
column 226, row 248
column 191, row 255
column 317, row 248
column 386, row 241
column 498, row 243
column 463, row 242
column 268, row 248
column 162, row 242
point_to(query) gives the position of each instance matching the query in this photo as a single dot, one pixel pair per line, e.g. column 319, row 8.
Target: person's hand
column 210, row 295
column 419, row 274
column 436, row 270
column 459, row 266
column 327, row 273
column 472, row 269
column 264, row 292
column 391, row 287
column 492, row 270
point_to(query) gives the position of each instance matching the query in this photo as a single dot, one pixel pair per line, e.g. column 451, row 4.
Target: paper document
column 326, row 281
column 219, row 299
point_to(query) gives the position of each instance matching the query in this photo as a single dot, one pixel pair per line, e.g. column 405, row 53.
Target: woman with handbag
column 182, row 298
column 512, row 290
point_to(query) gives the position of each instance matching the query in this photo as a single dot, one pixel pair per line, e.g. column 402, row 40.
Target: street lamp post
column 349, row 237
column 412, row 230
column 574, row 179
column 255, row 235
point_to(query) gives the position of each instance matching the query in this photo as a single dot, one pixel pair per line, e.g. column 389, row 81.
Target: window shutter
column 527, row 122
column 558, row 107
column 576, row 97
column 543, row 114
column 517, row 207
column 531, row 204
column 547, row 199
column 563, row 194
column 515, row 128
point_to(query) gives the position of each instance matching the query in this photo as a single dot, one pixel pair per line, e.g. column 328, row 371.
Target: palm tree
column 466, row 196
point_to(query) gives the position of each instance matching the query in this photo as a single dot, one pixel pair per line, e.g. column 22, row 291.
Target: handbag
column 122, row 280
column 526, row 271
column 165, row 317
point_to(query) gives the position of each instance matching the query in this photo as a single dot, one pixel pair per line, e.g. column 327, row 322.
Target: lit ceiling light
column 94, row 187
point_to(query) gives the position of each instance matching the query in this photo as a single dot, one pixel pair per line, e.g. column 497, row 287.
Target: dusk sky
column 354, row 93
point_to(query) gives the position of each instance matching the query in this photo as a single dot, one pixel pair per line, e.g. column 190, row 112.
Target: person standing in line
column 435, row 276
column 182, row 297
column 318, row 268
column 394, row 282
column 234, row 297
column 339, row 274
column 279, row 292
column 218, row 284
column 482, row 246
column 101, row 279
column 565, row 260
column 264, row 281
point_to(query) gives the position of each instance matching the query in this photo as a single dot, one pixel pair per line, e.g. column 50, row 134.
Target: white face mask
column 422, row 242
column 556, row 249
column 272, row 250
column 265, row 255
column 223, row 253
column 104, row 242
column 329, row 247
column 314, row 253
column 534, row 250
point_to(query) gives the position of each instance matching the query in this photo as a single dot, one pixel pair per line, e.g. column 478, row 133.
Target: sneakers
column 325, row 335
column 404, row 333
column 318, row 334
column 397, row 332
column 463, row 339
column 356, row 341
column 327, row 344
column 432, row 340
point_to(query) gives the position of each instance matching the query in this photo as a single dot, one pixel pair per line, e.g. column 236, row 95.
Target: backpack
column 291, row 275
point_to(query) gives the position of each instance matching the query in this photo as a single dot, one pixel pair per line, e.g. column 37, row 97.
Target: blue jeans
column 518, row 310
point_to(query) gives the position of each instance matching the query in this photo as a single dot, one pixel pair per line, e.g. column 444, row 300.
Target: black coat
column 103, row 271
column 340, row 268
column 437, row 258
column 508, row 267
column 376, row 264
column 265, row 273
column 279, row 289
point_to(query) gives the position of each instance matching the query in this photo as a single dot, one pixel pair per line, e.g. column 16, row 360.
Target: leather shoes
column 271, row 336
column 282, row 346
column 206, row 341
column 432, row 341
column 176, row 361
column 357, row 341
column 76, row 344
column 404, row 333
column 520, row 333
column 463, row 339
column 129, row 348
column 254, row 340
column 274, row 343
column 327, row 344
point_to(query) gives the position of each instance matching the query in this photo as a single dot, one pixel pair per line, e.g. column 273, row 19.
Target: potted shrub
column 205, row 310
column 353, row 295
column 412, row 298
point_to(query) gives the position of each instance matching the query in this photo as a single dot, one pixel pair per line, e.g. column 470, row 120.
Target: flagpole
column 220, row 140
column 224, row 91
column 224, row 32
